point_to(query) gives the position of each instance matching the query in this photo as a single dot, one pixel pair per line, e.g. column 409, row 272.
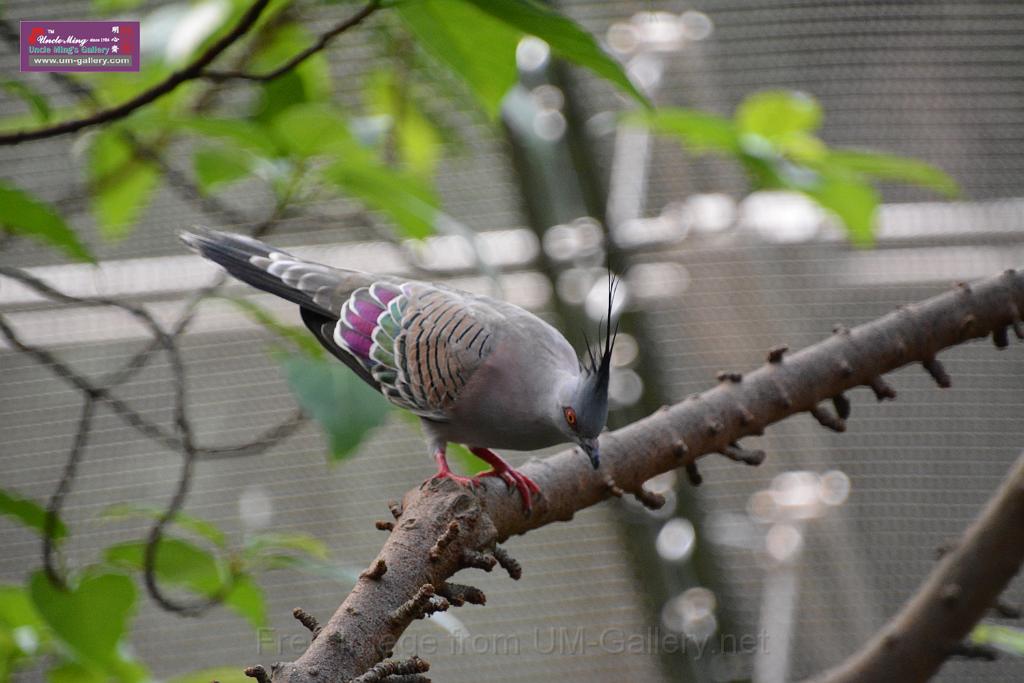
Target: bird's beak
column 589, row 447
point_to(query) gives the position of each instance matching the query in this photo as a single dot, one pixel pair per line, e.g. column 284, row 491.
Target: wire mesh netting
column 940, row 81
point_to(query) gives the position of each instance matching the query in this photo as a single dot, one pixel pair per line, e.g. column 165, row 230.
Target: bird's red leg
column 507, row 473
column 445, row 472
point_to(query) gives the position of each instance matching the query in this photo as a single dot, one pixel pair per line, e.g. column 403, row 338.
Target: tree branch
column 319, row 45
column 367, row 625
column 965, row 584
column 190, row 72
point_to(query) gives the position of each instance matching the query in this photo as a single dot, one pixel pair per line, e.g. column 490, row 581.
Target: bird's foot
column 515, row 480
column 445, row 472
column 457, row 478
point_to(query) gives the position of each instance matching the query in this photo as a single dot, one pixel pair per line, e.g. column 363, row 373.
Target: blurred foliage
column 29, row 513
column 292, row 139
column 345, row 406
column 1007, row 639
column 83, row 630
column 772, row 135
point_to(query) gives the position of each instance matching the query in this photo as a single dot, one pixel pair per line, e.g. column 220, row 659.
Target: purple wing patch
column 359, row 327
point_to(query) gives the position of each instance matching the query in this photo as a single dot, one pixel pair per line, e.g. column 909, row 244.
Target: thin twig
column 56, row 503
column 190, row 72
column 296, row 60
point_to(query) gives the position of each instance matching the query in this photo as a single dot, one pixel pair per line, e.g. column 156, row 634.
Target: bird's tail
column 310, row 285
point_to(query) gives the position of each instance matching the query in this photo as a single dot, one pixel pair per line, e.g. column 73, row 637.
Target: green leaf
column 260, row 544
column 121, row 185
column 1008, row 639
column 244, row 133
column 200, row 527
column 29, row 512
column 854, row 201
column 566, row 38
column 17, row 610
column 341, row 575
column 297, row 336
column 23, row 214
column 468, row 463
column 184, row 564
column 892, row 167
column 178, row 562
column 405, row 198
column 216, row 166
column 416, row 139
column 346, row 408
column 247, row 600
column 775, row 114
column 310, row 81
column 698, row 130
column 479, row 48
column 73, row 672
column 311, row 129
column 36, row 102
column 111, row 6
column 90, row 618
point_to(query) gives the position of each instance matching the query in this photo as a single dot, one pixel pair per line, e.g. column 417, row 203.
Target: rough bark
column 369, row 622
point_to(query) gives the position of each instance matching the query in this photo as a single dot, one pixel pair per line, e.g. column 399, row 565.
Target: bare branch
column 53, row 508
column 190, row 72
column 296, row 60
column 960, row 590
column 359, row 633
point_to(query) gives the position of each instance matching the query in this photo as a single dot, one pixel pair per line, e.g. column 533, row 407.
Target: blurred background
column 806, row 556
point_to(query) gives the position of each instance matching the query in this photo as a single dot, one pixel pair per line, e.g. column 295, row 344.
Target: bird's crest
column 597, row 364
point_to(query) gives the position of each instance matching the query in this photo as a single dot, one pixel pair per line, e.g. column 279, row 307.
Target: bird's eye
column 570, row 416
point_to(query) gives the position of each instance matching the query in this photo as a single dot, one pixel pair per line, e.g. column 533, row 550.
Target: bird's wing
column 420, row 343
column 415, row 342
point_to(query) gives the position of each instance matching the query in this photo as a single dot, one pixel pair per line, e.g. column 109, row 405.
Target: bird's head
column 584, row 399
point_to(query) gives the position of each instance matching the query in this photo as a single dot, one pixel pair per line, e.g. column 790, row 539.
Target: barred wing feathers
column 419, row 343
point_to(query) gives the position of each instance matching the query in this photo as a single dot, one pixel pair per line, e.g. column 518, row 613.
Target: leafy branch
column 190, row 72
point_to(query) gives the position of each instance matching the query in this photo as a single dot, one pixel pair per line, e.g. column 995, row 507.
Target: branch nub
column 443, row 541
column 776, row 353
column 693, row 474
column 827, row 419
column 508, row 563
column 472, row 559
column 380, row 672
column 738, row 454
column 259, row 673
column 420, row 605
column 613, row 488
column 842, row 405
column 376, row 571
column 384, row 525
column 307, row 620
column 882, row 389
column 649, row 499
column 458, row 594
column 396, row 508
column 938, row 372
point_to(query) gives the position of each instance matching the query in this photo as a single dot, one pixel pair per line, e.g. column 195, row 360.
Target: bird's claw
column 457, row 478
column 516, row 481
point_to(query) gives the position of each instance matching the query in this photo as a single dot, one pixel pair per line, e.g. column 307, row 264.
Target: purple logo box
column 79, row 46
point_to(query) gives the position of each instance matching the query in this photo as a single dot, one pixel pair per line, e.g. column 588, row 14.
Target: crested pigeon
column 476, row 370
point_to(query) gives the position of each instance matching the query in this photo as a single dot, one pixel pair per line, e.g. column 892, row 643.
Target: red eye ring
column 570, row 416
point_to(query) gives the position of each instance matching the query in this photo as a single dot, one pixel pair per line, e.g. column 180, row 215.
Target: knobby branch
column 442, row 528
